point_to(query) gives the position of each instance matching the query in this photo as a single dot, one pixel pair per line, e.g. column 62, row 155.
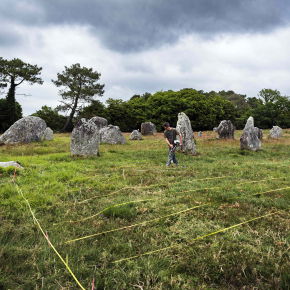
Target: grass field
column 128, row 222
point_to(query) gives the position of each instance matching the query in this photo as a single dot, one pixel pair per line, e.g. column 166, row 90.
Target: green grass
column 129, row 187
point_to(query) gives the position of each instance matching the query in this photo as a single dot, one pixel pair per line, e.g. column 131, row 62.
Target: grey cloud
column 136, row 25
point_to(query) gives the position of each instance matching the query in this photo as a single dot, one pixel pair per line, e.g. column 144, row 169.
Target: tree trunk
column 71, row 115
column 11, row 106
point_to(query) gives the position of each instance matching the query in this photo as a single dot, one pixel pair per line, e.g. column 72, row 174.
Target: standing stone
column 226, row 130
column 100, row 122
column 135, row 135
column 249, row 139
column 85, row 138
column 148, row 128
column 259, row 132
column 24, row 130
column 48, row 134
column 199, row 134
column 10, row 163
column 276, row 132
column 183, row 126
column 112, row 135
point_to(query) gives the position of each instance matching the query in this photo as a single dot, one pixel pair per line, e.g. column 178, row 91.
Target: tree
column 79, row 87
column 269, row 96
column 4, row 120
column 15, row 72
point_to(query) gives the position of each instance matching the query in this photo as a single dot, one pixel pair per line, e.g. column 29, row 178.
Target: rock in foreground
column 112, row 135
column 226, row 130
column 148, row 128
column 249, row 139
column 183, row 126
column 135, row 135
column 48, row 134
column 85, row 138
column 24, row 130
column 10, row 163
column 276, row 132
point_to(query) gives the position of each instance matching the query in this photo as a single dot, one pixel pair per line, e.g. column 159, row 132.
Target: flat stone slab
column 10, row 163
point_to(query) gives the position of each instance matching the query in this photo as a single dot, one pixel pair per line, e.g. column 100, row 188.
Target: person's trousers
column 172, row 157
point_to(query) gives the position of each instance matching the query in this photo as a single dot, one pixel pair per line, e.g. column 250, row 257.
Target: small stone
column 135, row 135
column 148, row 128
column 48, row 134
column 276, row 132
column 85, row 138
column 112, row 135
column 249, row 139
column 25, row 130
column 10, row 163
column 226, row 130
column 199, row 134
column 183, row 126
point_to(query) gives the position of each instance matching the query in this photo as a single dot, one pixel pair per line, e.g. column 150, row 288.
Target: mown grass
column 129, row 186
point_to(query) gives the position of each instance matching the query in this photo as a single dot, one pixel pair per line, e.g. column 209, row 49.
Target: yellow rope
column 36, row 222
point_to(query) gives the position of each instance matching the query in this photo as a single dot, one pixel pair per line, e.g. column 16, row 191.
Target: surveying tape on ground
column 198, row 238
column 84, row 219
column 45, row 236
column 183, row 211
column 194, row 190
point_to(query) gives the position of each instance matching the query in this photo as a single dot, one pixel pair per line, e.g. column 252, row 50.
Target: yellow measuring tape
column 84, row 219
column 183, row 211
column 36, row 221
column 198, row 238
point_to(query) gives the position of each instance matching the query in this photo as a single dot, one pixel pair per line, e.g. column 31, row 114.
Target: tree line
column 79, row 87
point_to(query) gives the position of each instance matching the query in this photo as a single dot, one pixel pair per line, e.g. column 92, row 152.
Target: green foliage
column 4, row 116
column 96, row 108
column 53, row 120
column 269, row 95
column 15, row 72
column 79, row 86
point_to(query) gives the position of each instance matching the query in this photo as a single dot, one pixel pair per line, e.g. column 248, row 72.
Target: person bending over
column 170, row 136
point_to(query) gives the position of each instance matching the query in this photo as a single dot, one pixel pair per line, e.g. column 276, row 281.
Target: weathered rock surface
column 10, row 163
column 276, row 132
column 112, row 135
column 183, row 126
column 249, row 139
column 259, row 132
column 215, row 129
column 135, row 135
column 24, row 130
column 148, row 128
column 100, row 122
column 226, row 130
column 85, row 138
column 48, row 134
column 199, row 134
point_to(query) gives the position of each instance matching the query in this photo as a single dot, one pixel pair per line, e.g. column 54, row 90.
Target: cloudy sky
column 143, row 46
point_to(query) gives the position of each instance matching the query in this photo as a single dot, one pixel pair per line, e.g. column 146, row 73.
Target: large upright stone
column 259, row 132
column 24, row 130
column 249, row 139
column 226, row 130
column 112, row 135
column 100, row 122
column 135, row 135
column 276, row 132
column 85, row 138
column 48, row 134
column 183, row 126
column 148, row 128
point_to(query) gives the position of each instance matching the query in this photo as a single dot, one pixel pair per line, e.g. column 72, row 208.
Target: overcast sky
column 143, row 46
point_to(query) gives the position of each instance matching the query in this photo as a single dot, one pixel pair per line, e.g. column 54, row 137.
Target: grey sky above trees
column 147, row 45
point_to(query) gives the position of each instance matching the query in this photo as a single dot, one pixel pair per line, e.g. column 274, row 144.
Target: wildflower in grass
column 105, row 218
column 101, row 215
